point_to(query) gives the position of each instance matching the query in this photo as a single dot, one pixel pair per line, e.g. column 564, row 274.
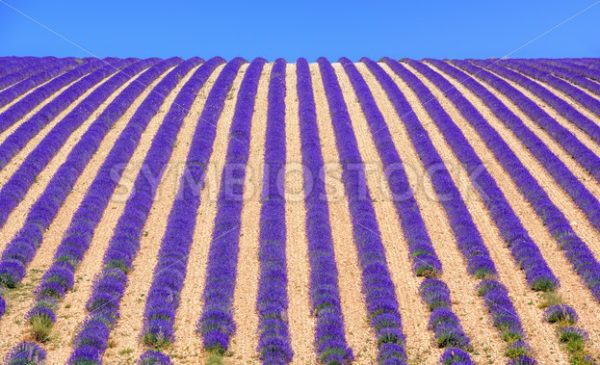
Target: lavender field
column 204, row 211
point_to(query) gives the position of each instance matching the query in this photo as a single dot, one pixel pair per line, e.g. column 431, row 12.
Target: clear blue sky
column 309, row 28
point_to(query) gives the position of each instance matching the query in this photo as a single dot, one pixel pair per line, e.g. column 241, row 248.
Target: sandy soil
column 572, row 288
column 17, row 218
column 245, row 341
column 415, row 316
column 124, row 344
column 539, row 333
column 187, row 343
column 359, row 335
column 52, row 237
column 301, row 322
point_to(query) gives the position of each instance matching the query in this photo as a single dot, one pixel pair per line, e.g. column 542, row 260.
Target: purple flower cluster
column 26, row 353
column 378, row 288
column 568, row 111
column 585, row 69
column 272, row 302
column 560, row 313
column 45, row 74
column 110, row 285
column 11, row 65
column 424, row 259
column 169, row 273
column 77, row 238
column 576, row 251
column 216, row 323
column 17, row 140
column 580, row 153
column 16, row 187
column 330, row 339
column 524, row 250
column 22, row 70
column 504, row 315
column 33, row 99
column 453, row 356
column 20, row 251
column 154, row 358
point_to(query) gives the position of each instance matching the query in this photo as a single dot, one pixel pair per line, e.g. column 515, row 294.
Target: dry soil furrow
column 572, row 287
column 69, row 315
column 467, row 305
column 19, row 214
column 187, row 345
column 301, row 322
column 124, row 338
column 52, row 238
column 539, row 333
column 415, row 315
column 359, row 335
column 245, row 340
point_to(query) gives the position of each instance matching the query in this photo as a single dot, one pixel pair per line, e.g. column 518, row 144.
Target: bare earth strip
column 582, row 175
column 415, row 315
column 581, row 225
column 19, row 214
column 34, row 110
column 359, row 335
column 188, row 345
column 70, row 314
column 24, row 296
column 581, row 135
column 245, row 340
column 539, row 333
column 572, row 288
column 301, row 322
column 467, row 305
column 124, row 341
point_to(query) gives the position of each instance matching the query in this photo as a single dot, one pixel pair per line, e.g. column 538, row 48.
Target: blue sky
column 309, row 28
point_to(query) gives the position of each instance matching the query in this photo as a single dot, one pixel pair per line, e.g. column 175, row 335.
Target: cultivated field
column 392, row 212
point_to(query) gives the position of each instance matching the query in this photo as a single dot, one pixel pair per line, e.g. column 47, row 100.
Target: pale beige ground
column 539, row 333
column 359, row 335
column 580, row 173
column 69, row 313
column 33, row 110
column 245, row 341
column 17, row 218
column 467, row 305
column 301, row 322
column 187, row 343
column 572, row 288
column 23, row 298
column 124, row 339
column 414, row 313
